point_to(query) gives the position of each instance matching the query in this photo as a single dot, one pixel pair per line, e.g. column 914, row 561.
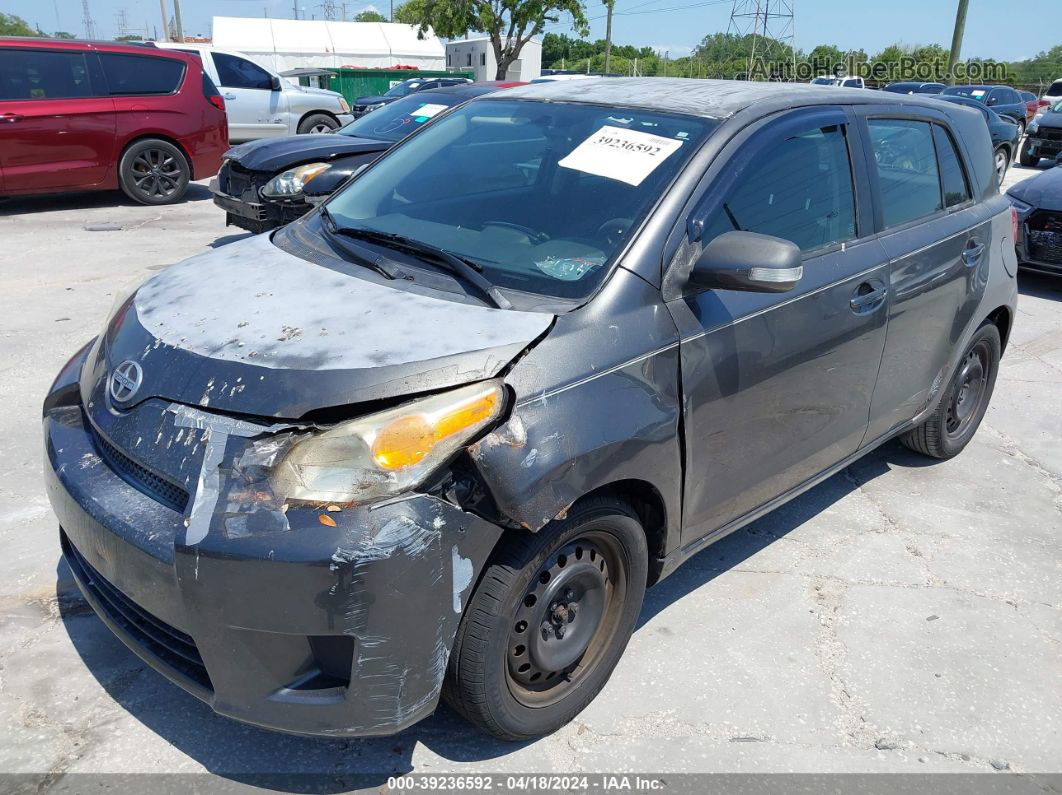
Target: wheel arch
column 315, row 112
column 152, row 136
column 1001, row 318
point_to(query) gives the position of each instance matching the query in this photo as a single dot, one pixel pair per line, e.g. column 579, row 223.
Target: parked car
column 1038, row 202
column 262, row 104
column 1045, row 136
column 80, row 115
column 914, row 88
column 1004, row 130
column 266, row 184
column 364, row 105
column 1033, row 104
column 1004, row 100
column 843, row 82
column 438, row 436
column 1053, row 93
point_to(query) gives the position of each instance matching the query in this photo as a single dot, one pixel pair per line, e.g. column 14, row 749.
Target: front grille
column 171, row 646
column 1049, row 133
column 238, row 180
column 138, row 476
column 1043, row 237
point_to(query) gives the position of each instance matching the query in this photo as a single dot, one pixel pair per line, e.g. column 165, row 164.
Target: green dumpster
column 354, row 83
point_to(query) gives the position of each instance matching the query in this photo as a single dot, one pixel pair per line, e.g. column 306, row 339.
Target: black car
column 267, row 183
column 1003, row 129
column 1038, row 202
column 1004, row 100
column 1045, row 136
column 363, row 105
column 439, row 435
column 914, row 88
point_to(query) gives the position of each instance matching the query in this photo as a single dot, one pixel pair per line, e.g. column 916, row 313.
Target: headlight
column 343, row 106
column 1034, row 125
column 374, row 107
column 291, row 182
column 389, row 452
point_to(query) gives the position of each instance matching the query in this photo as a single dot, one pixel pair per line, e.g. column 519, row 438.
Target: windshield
column 974, row 92
column 395, row 121
column 403, row 88
column 826, row 81
column 540, row 195
column 1055, row 89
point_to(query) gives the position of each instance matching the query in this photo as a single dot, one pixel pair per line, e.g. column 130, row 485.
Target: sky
column 672, row 25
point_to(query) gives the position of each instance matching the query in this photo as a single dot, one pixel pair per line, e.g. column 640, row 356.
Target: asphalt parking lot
column 902, row 616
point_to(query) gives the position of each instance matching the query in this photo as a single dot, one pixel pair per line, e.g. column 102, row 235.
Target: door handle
column 868, row 296
column 230, row 97
column 971, row 255
column 11, row 117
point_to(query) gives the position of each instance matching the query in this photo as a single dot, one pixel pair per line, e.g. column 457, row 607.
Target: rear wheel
column 1026, row 156
column 318, row 123
column 962, row 405
column 1002, row 163
column 154, row 172
column 549, row 621
column 1021, row 128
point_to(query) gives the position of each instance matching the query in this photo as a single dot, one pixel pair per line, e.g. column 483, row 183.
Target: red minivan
column 98, row 116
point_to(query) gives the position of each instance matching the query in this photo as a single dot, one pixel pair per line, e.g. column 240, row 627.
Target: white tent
column 283, row 44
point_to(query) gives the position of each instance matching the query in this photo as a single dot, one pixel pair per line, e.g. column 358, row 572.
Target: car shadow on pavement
column 25, row 205
column 289, row 763
column 1040, row 285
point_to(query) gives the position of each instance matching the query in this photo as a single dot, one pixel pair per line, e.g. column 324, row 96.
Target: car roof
column 39, row 42
column 714, row 99
column 470, row 89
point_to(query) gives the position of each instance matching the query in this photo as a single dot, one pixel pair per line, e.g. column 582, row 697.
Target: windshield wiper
column 456, row 264
column 380, row 265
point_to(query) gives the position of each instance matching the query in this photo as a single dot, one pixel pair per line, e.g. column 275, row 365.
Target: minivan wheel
column 317, row 123
column 963, row 404
column 154, row 172
column 549, row 621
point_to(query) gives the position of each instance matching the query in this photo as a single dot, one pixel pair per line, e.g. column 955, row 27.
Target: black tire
column 1027, row 158
column 595, row 560
column 317, row 123
column 1002, row 162
column 962, row 405
column 154, row 172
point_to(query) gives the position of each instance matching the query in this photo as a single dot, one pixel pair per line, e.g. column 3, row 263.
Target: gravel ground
column 901, row 617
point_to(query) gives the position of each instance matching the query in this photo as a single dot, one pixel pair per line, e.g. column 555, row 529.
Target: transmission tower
column 769, row 26
column 329, row 9
column 121, row 21
column 87, row 21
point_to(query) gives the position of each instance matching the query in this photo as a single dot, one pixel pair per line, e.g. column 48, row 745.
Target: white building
column 478, row 55
column 283, row 44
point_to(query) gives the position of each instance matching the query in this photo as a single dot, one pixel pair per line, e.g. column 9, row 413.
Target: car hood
column 1044, row 191
column 252, row 329
column 275, row 154
column 374, row 100
column 314, row 90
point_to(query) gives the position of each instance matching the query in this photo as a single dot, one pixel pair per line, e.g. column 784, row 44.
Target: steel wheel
column 969, row 391
column 156, row 173
column 569, row 615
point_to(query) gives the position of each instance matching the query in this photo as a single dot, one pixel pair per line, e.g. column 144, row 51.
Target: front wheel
column 962, row 405
column 549, row 621
column 1026, row 156
column 318, row 123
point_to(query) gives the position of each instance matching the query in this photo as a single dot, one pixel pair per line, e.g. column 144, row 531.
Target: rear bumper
column 309, row 629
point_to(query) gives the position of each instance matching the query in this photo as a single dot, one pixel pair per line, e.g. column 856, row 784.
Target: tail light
column 210, row 91
column 217, row 101
column 1042, row 103
column 1014, row 224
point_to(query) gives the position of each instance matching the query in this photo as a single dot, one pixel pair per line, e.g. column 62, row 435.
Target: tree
column 128, row 37
column 370, row 15
column 10, row 25
column 509, row 24
column 62, row 34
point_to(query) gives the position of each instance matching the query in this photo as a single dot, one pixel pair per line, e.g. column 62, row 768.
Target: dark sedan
column 266, row 183
column 1045, row 136
column 914, row 88
column 414, row 85
column 1038, row 202
column 1004, row 100
column 1003, row 129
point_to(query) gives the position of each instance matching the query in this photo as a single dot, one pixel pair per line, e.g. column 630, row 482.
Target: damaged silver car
column 437, row 437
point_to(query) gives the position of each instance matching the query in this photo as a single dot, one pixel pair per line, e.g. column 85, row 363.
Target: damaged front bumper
column 314, row 622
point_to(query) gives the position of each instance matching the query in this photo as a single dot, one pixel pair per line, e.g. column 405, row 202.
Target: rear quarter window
column 140, row 74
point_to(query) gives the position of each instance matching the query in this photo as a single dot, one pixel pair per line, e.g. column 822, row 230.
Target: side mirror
column 748, row 261
column 275, row 84
column 992, row 101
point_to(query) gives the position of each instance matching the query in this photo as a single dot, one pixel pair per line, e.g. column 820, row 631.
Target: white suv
column 262, row 104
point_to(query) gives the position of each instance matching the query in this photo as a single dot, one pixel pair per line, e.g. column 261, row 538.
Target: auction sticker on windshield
column 627, row 155
column 425, row 112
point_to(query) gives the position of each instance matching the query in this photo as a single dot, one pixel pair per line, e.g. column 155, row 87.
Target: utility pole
column 610, row 4
column 295, row 9
column 165, row 25
column 177, row 19
column 956, row 39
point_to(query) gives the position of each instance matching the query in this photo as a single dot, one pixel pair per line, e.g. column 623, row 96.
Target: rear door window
column 140, row 74
column 36, row 74
column 952, row 175
column 800, row 190
column 236, row 72
column 908, row 176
